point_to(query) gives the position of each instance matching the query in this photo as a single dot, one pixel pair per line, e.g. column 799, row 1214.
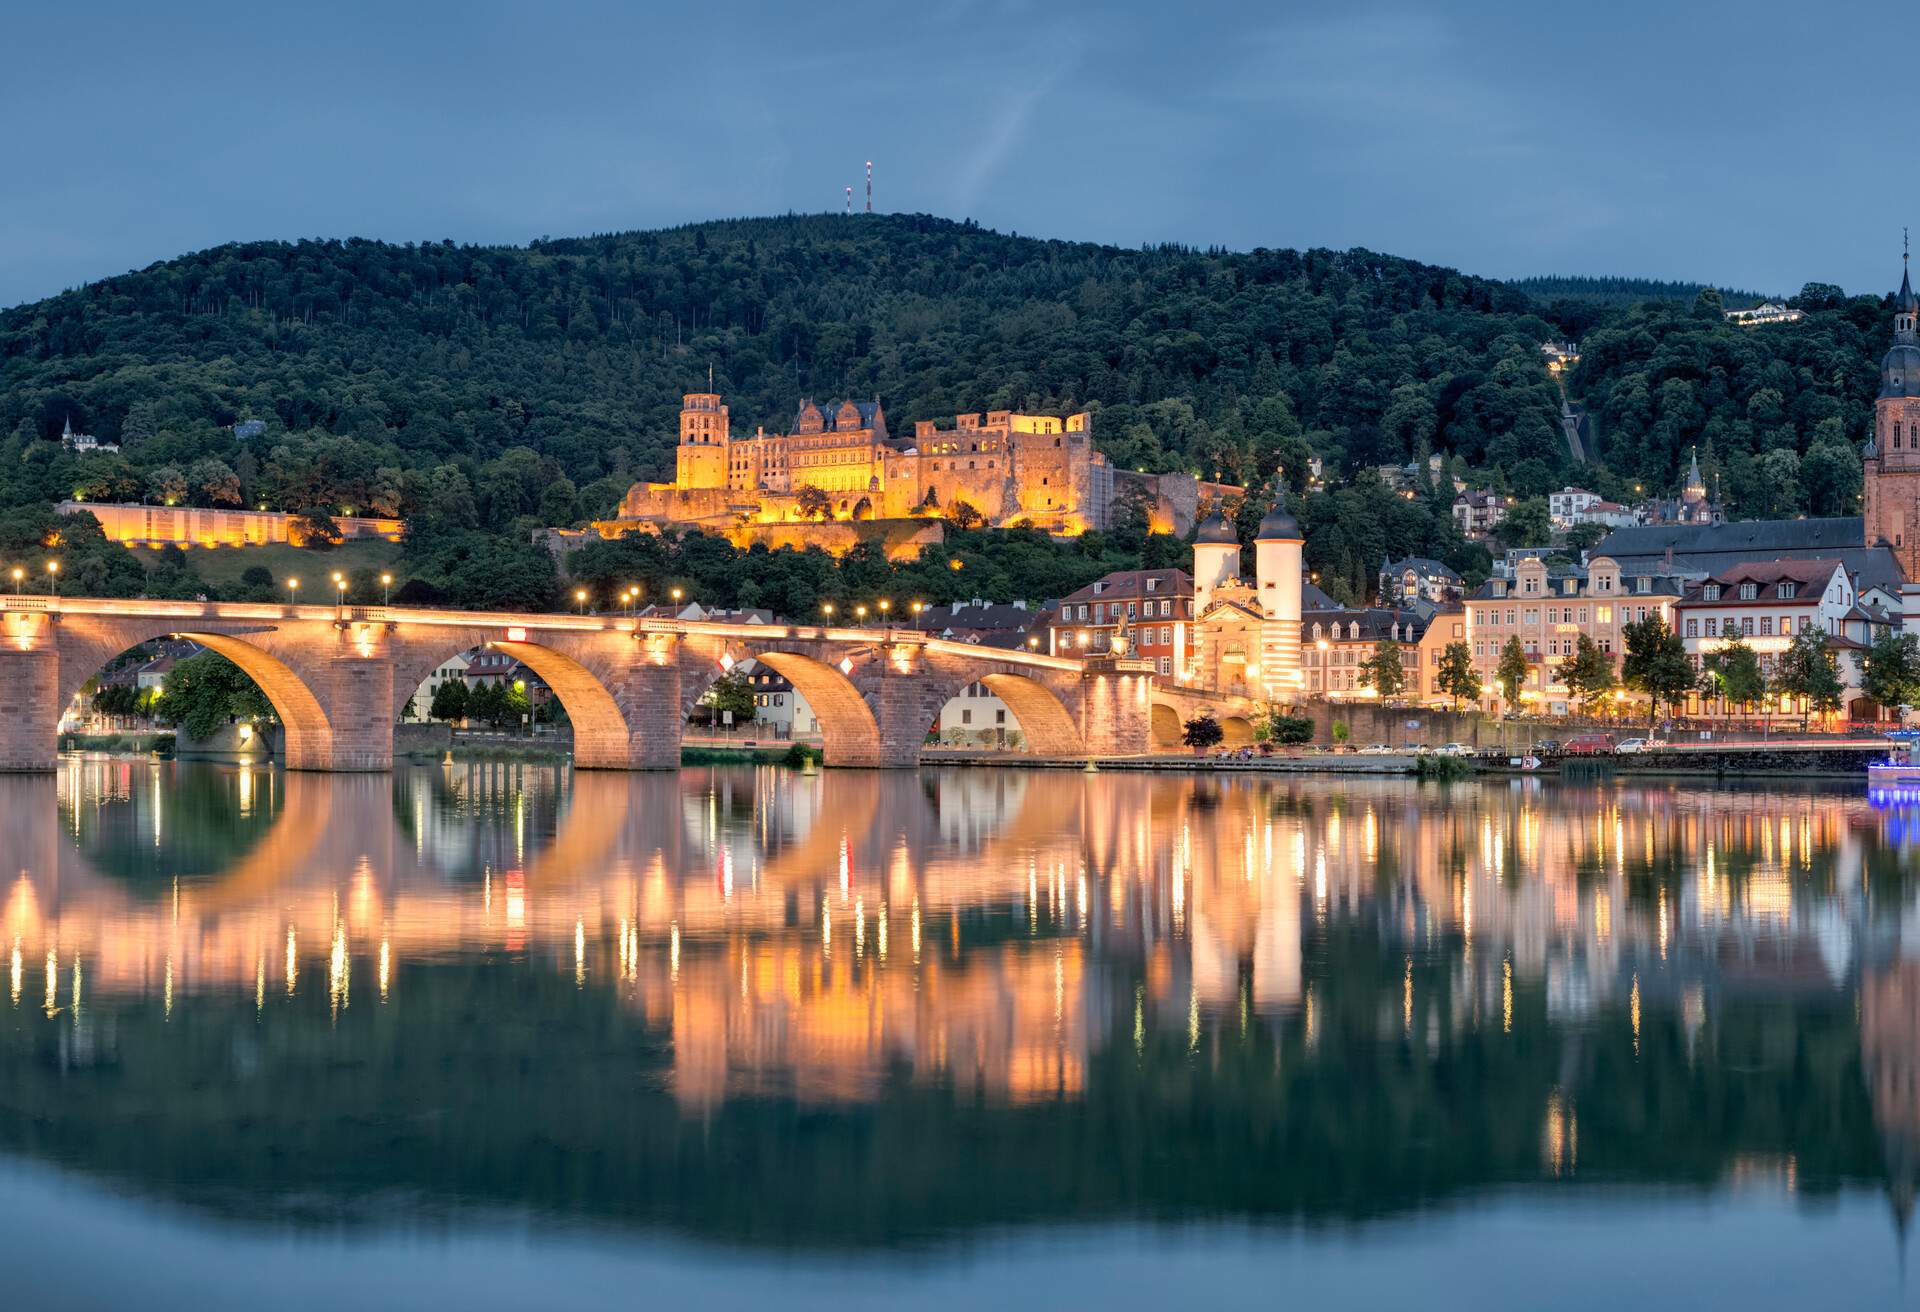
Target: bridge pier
column 360, row 712
column 29, row 695
column 1116, row 712
column 648, row 692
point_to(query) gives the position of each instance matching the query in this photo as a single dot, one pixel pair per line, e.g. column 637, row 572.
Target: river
column 492, row 1034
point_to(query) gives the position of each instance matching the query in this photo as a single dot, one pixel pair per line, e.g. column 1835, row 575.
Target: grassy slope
column 223, row 566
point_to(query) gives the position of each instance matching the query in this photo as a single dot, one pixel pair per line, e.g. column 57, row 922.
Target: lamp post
column 339, row 597
column 580, row 600
column 885, row 606
column 826, row 609
column 53, row 576
column 677, row 594
column 293, row 592
column 386, row 589
column 18, row 575
column 860, row 613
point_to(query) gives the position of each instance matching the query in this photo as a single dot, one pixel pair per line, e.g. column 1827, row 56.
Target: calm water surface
column 494, row 1035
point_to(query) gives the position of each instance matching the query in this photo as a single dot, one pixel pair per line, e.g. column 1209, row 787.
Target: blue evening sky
column 1757, row 145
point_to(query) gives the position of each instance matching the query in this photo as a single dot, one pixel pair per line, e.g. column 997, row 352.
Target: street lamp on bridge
column 18, row 575
column 293, row 591
column 580, row 599
column 386, row 589
column 53, row 576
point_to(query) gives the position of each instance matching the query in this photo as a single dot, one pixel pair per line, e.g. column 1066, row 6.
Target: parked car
column 1589, row 744
column 1629, row 745
column 1453, row 749
column 1547, row 747
column 1377, row 749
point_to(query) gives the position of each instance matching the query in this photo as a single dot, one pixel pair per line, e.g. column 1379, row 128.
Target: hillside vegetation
column 483, row 391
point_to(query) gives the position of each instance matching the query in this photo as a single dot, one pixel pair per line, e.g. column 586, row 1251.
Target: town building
column 490, row 666
column 1418, row 578
column 82, row 441
column 190, row 526
column 1549, row 608
column 1154, row 608
column 1692, row 506
column 839, row 465
column 1693, row 552
column 1337, row 643
column 1767, row 604
column 1764, row 313
column 1563, row 505
column 1478, row 512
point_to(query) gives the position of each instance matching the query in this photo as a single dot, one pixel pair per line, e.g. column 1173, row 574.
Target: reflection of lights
column 386, row 968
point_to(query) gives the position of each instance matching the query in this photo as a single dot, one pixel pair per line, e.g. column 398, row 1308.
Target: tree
column 1289, row 730
column 1510, row 676
column 1527, row 524
column 1656, row 665
column 1890, row 669
column 316, row 529
column 1202, row 732
column 1587, row 675
column 167, row 485
column 449, row 701
column 204, row 693
column 1809, row 671
column 813, row 503
column 963, row 515
column 213, row 483
column 1733, row 673
column 1585, row 537
column 1382, row 670
column 729, row 692
column 1456, row 676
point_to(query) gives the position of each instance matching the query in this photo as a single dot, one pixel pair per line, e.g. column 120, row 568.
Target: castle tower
column 1277, row 549
column 1216, row 558
column 1893, row 452
column 701, row 460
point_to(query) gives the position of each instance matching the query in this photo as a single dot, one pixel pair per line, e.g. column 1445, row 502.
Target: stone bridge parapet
column 338, row 677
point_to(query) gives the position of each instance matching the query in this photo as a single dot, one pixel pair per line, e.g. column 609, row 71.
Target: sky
column 1755, row 146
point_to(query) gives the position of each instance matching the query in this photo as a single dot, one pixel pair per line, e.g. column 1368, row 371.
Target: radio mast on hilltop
column 849, row 200
column 869, row 186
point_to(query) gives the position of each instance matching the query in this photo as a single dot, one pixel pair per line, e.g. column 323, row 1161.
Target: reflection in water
column 858, row 1008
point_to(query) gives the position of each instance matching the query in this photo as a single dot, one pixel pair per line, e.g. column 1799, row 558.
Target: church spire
column 1906, row 306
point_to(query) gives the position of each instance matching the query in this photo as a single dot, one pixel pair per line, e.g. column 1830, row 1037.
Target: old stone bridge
column 338, row 677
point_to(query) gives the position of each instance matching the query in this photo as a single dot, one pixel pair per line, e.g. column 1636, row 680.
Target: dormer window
column 1711, row 592
column 1786, row 591
column 1152, row 584
column 1643, row 584
column 1748, row 591
column 1499, row 587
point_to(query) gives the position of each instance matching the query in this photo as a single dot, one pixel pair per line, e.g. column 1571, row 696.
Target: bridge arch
column 849, row 731
column 308, row 732
column 1047, row 724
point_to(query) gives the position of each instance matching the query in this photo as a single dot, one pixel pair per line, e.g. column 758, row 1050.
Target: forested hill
column 578, row 350
column 488, row 390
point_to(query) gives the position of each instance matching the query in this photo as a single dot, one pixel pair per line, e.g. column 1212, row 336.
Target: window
column 1766, row 626
column 1786, row 591
column 1152, row 584
column 1711, row 592
column 1166, row 665
column 1166, row 636
column 999, row 717
column 1693, row 628
column 1746, row 625
column 1748, row 591
column 1166, row 607
column 966, row 716
column 1713, row 626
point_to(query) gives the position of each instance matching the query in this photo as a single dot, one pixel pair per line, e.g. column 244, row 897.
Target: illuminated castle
column 839, row 464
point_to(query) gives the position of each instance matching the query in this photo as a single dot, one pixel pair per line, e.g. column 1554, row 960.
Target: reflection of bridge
column 338, row 677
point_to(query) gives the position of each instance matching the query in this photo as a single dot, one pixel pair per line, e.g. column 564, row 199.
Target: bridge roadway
column 338, row 677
